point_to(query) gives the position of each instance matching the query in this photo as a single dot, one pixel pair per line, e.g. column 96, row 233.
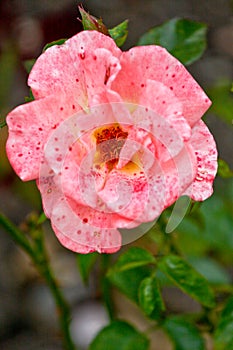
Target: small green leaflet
column 119, row 33
column 187, row 279
column 184, row 39
column 150, row 299
column 183, row 334
column 56, row 42
column 223, row 337
column 130, row 269
column 224, row 170
column 120, row 335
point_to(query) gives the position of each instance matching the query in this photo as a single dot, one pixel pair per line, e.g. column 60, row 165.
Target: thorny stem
column 37, row 253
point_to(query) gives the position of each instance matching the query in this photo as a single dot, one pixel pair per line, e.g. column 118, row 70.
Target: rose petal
column 75, row 232
column 157, row 64
column 79, row 228
column 167, row 181
column 164, row 103
column 168, row 141
column 80, row 68
column 126, row 192
column 29, row 128
column 205, row 150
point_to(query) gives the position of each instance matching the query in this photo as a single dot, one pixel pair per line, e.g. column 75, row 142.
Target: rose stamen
column 109, row 142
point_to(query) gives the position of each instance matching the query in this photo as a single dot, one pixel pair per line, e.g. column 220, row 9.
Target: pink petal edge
column 206, row 154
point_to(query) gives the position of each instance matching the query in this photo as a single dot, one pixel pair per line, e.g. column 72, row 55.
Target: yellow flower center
column 109, row 142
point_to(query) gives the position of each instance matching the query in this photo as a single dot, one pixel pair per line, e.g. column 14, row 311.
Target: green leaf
column 56, row 42
column 128, row 281
column 119, row 33
column 216, row 232
column 184, row 335
column 28, row 64
column 184, row 39
column 85, row 264
column 29, row 98
column 210, row 269
column 120, row 335
column 223, row 337
column 187, row 279
column 150, row 299
column 222, row 98
column 224, row 170
column 132, row 258
column 129, row 270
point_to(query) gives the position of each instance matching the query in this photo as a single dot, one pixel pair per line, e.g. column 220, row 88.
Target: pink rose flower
column 112, row 138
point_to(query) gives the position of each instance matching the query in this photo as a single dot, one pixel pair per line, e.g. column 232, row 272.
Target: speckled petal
column 76, row 232
column 78, row 227
column 154, row 63
column 81, row 185
column 80, row 68
column 205, row 151
column 164, row 103
column 167, row 181
column 29, row 128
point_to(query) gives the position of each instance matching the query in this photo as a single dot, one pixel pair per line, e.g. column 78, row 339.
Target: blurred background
column 27, row 312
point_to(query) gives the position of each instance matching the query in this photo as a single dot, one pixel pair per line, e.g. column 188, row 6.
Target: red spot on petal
column 85, row 220
column 82, row 55
column 61, row 108
column 107, row 75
